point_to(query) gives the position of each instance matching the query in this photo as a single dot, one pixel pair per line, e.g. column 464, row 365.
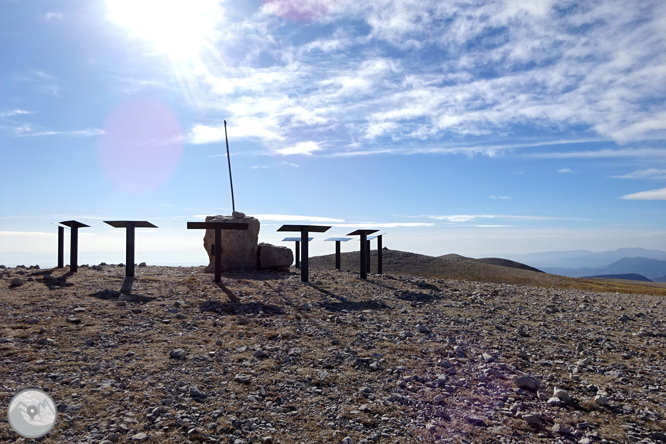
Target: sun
column 180, row 29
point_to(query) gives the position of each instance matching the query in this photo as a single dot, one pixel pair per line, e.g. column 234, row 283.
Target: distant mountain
column 582, row 258
column 653, row 269
column 659, row 279
column 627, row 277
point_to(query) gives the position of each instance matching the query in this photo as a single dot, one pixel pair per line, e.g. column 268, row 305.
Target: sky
column 482, row 128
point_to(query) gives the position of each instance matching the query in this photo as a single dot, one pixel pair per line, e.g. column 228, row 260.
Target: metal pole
column 218, row 254
column 61, row 247
column 298, row 254
column 233, row 205
column 73, row 249
column 367, row 252
column 379, row 254
column 364, row 272
column 304, row 255
column 129, row 253
column 337, row 255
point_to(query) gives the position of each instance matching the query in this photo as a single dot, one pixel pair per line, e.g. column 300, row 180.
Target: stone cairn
column 241, row 250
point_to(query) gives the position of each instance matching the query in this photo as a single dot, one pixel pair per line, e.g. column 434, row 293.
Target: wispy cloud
column 15, row 112
column 377, row 225
column 607, row 153
column 54, row 17
column 659, row 194
column 463, row 218
column 652, row 173
column 27, row 130
column 304, row 148
column 565, row 171
column 39, row 234
column 483, row 67
column 294, row 218
column 500, row 197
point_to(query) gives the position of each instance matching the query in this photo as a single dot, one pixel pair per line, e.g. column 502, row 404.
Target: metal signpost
column 337, row 248
column 297, row 250
column 379, row 252
column 365, row 250
column 129, row 226
column 74, row 244
column 304, row 229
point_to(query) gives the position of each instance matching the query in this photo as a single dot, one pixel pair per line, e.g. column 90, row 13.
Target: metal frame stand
column 129, row 226
column 304, row 229
column 365, row 250
column 74, row 244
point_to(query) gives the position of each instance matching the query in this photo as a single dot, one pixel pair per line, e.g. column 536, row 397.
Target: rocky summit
column 167, row 357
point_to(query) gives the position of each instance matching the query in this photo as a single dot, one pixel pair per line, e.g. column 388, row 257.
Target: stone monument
column 239, row 247
column 241, row 250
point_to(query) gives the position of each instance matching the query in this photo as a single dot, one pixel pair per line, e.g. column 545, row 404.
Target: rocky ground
column 264, row 358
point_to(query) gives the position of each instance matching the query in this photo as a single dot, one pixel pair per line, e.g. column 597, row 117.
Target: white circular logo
column 32, row 413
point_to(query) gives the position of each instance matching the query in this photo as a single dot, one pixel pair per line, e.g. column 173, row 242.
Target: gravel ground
column 263, row 358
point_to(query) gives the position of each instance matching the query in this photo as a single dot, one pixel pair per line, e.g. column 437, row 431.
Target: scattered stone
column 528, row 383
column 73, row 320
column 422, row 329
column 347, row 440
column 533, row 420
column 243, row 379
column 475, row 421
column 140, row 437
column 601, row 400
column 561, row 394
column 16, row 282
column 178, row 353
column 561, row 429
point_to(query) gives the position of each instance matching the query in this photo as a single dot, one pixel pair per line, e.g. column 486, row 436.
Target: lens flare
column 141, row 146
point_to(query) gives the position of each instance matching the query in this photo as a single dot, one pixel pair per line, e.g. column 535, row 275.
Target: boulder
column 239, row 247
column 272, row 256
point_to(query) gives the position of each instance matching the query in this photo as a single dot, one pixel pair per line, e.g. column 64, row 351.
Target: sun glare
column 178, row 28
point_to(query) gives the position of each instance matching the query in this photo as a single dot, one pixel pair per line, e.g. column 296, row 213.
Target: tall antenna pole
column 233, row 205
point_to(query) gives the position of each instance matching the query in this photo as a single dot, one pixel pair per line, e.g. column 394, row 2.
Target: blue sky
column 476, row 127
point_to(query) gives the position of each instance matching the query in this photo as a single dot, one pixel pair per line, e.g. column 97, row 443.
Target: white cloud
column 12, row 234
column 54, row 17
column 607, row 153
column 293, row 218
column 565, row 171
column 474, row 68
column 500, row 197
column 377, row 225
column 659, row 194
column 27, row 130
column 15, row 112
column 243, row 128
column 462, row 218
column 306, row 148
column 652, row 173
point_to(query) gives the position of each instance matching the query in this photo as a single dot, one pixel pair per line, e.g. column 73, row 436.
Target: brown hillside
column 453, row 266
